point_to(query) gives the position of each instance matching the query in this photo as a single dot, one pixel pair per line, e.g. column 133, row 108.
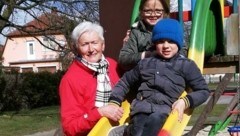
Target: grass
column 29, row 121
column 211, row 118
column 47, row 118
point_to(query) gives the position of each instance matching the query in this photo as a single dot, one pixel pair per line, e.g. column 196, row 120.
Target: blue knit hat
column 168, row 29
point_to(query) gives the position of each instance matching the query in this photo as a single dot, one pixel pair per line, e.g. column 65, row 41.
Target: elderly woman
column 85, row 88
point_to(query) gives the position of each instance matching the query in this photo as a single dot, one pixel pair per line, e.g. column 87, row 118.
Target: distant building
column 25, row 52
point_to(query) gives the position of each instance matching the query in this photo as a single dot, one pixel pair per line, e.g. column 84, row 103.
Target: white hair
column 86, row 26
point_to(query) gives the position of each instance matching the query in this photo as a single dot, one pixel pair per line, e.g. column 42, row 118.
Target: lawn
column 211, row 118
column 29, row 121
column 47, row 118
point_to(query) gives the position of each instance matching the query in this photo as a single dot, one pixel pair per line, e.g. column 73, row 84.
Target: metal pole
column 235, row 6
column 180, row 12
column 193, row 3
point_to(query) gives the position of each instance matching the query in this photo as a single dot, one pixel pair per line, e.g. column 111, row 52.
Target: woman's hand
column 147, row 54
column 111, row 111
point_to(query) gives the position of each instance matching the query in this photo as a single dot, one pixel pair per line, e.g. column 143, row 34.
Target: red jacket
column 77, row 93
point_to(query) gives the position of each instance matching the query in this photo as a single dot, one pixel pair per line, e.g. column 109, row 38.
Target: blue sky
column 20, row 18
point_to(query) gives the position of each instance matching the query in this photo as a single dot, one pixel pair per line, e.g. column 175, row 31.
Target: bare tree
column 66, row 14
column 73, row 9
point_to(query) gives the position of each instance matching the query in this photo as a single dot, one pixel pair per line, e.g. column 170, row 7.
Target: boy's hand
column 179, row 106
column 125, row 39
column 112, row 112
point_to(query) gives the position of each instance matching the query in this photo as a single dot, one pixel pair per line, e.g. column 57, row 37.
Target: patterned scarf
column 103, row 81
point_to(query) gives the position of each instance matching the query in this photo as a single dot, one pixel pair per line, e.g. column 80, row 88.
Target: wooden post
column 211, row 103
column 231, row 106
column 115, row 16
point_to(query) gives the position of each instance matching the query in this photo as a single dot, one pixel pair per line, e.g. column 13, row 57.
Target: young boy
column 162, row 79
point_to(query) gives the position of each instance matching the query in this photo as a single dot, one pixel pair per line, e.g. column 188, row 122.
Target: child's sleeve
column 197, row 84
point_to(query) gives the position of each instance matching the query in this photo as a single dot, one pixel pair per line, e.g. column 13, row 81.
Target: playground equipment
column 206, row 49
column 217, row 62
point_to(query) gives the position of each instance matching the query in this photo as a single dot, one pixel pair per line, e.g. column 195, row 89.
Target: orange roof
column 47, row 23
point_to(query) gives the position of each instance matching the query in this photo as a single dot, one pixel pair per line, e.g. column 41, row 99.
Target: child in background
column 138, row 44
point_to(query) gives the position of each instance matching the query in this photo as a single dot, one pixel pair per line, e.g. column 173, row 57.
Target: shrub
column 10, row 98
column 29, row 90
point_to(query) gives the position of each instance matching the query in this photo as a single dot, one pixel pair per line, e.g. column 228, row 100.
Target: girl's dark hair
column 163, row 2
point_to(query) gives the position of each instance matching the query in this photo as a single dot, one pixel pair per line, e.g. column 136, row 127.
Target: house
column 24, row 48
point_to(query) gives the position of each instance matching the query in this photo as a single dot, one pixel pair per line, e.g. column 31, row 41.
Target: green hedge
column 29, row 90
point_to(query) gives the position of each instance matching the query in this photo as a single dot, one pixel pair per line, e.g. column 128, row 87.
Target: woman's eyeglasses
column 157, row 12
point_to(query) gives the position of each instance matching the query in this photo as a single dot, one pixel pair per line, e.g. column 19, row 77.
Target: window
column 25, row 70
column 30, row 50
column 51, row 69
column 49, row 43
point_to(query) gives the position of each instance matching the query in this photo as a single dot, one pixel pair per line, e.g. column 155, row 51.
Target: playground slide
column 205, row 34
column 104, row 125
